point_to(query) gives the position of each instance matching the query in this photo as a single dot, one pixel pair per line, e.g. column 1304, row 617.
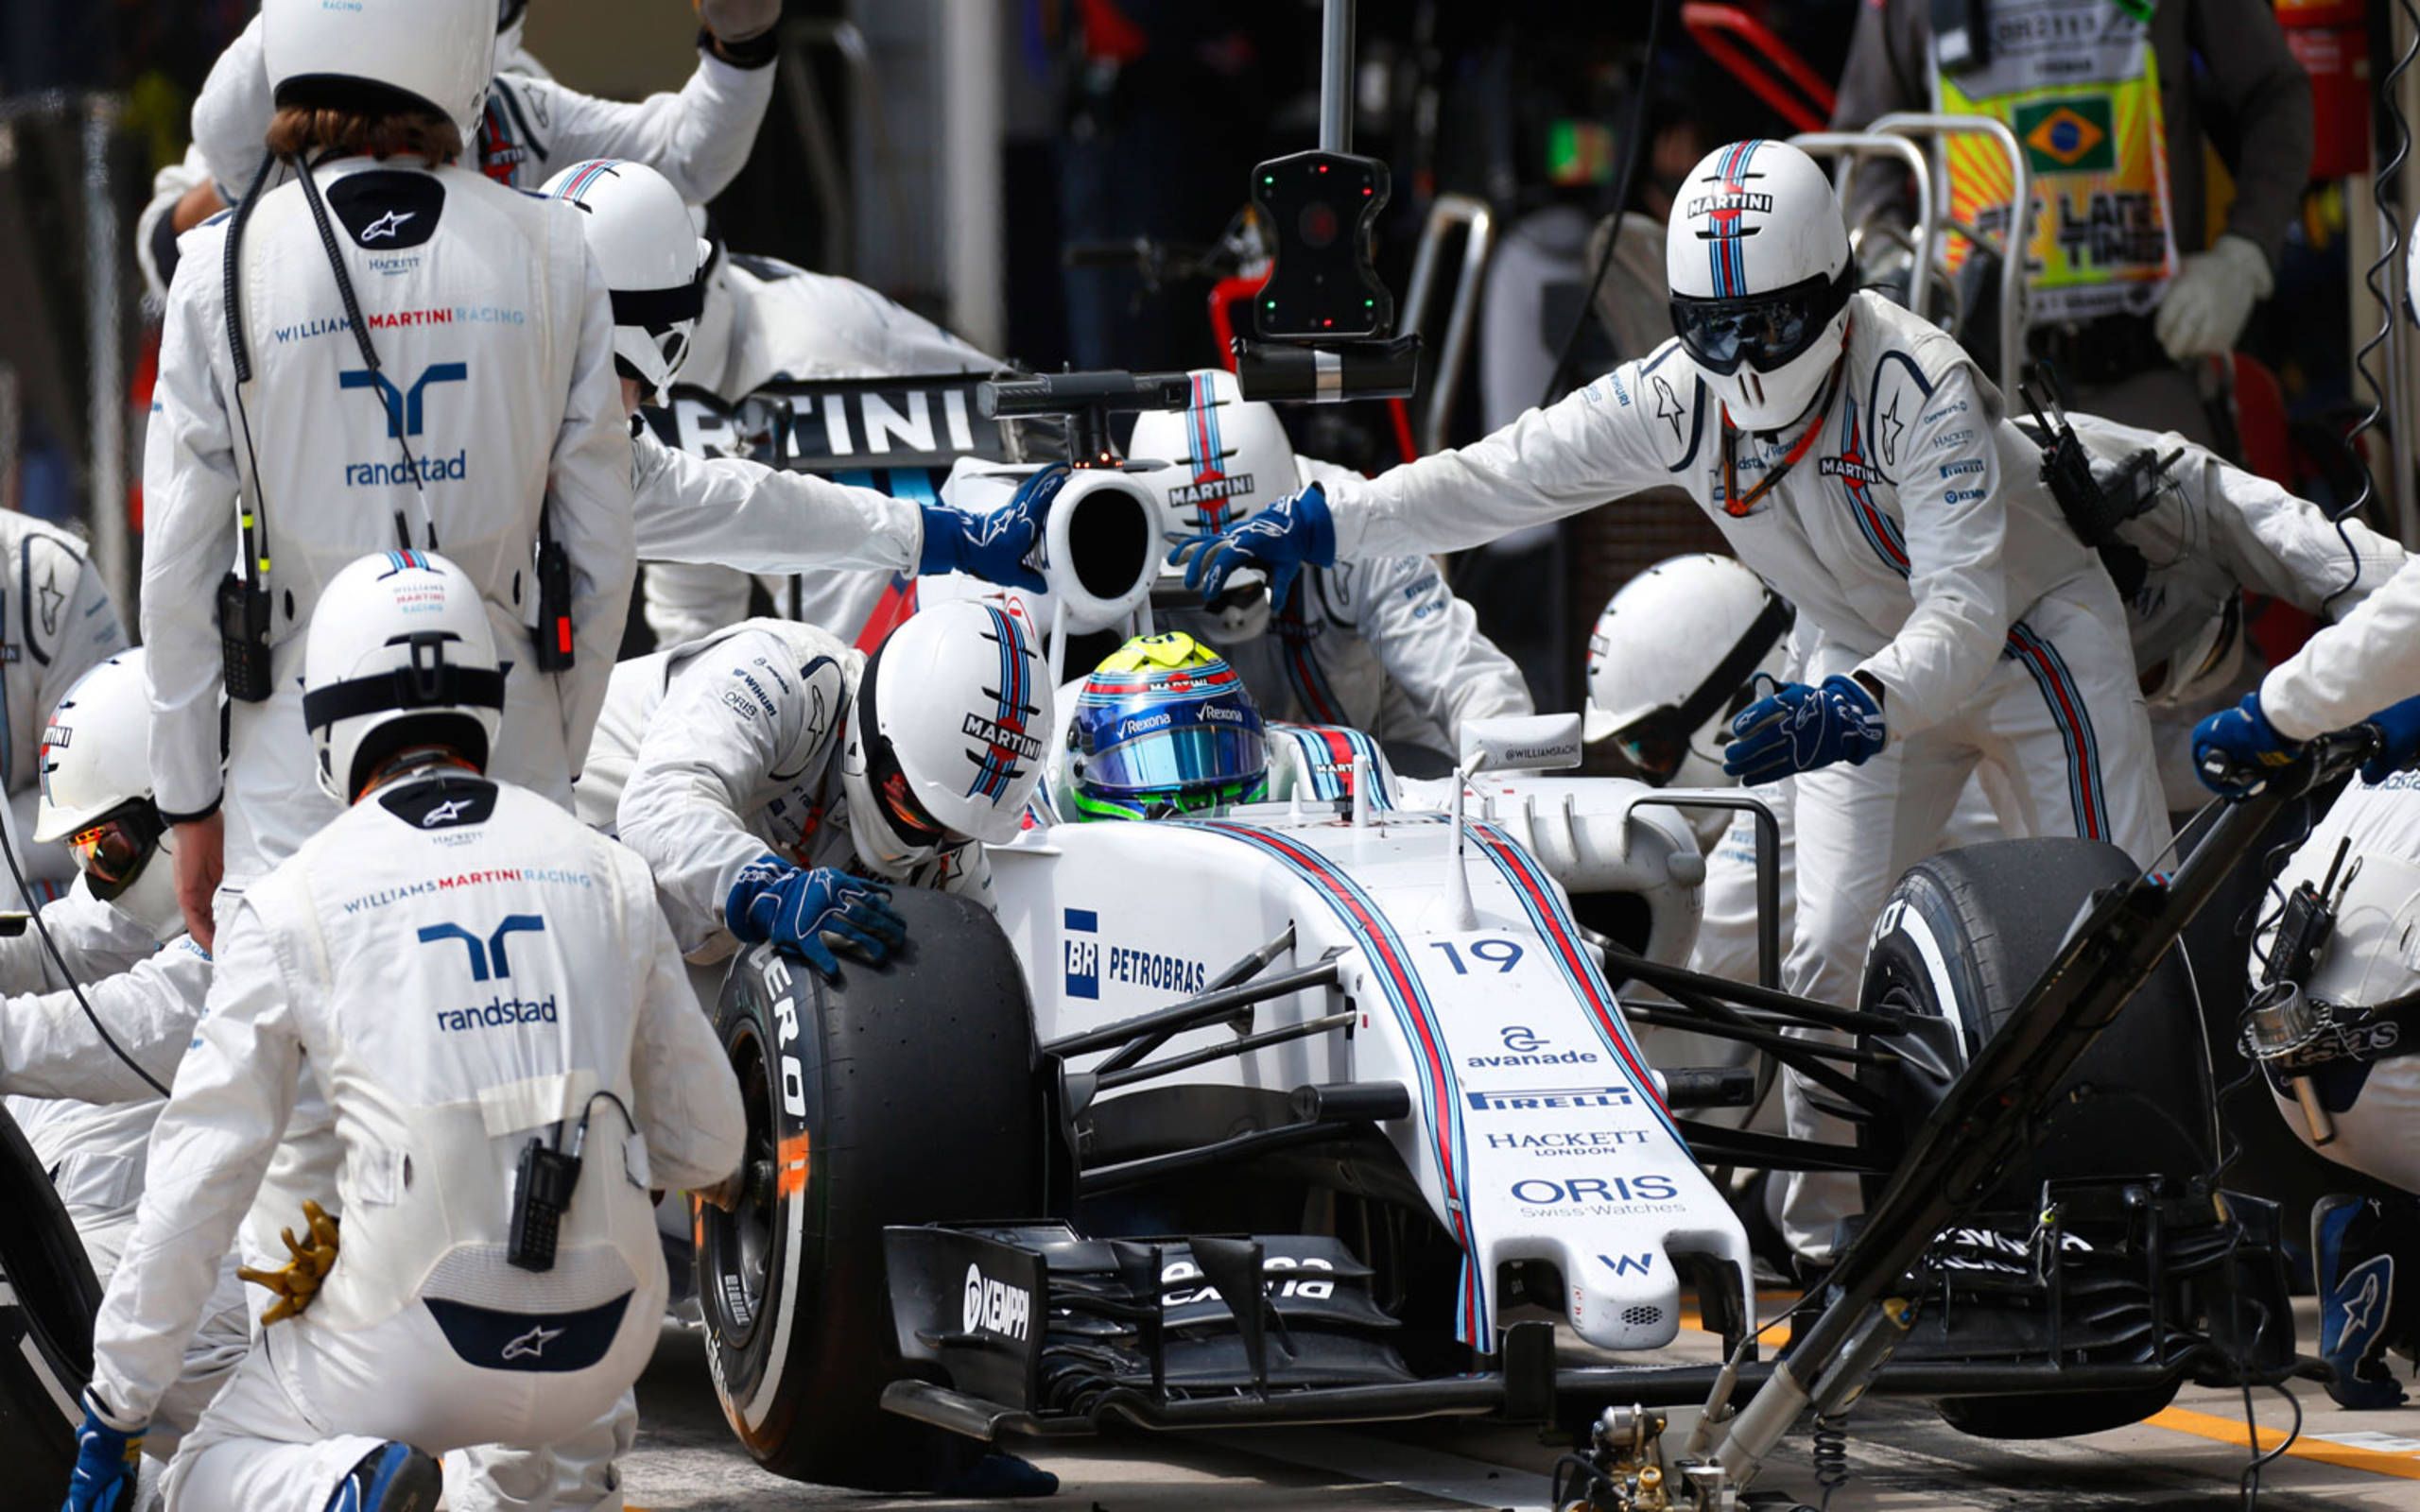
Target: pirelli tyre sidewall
column 1964, row 936
column 47, row 1299
column 900, row 1094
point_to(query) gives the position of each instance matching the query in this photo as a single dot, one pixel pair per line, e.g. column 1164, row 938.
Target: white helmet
column 651, row 256
column 97, row 792
column 1671, row 660
column 947, row 734
column 1228, row 457
column 400, row 654
column 1757, row 256
column 439, row 53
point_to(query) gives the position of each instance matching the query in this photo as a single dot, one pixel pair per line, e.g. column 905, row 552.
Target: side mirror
column 1534, row 743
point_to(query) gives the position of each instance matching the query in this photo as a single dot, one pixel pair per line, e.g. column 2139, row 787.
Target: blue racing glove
column 1797, row 729
column 811, row 913
column 106, row 1458
column 2236, row 749
column 993, row 546
column 1295, row 530
column 2398, row 728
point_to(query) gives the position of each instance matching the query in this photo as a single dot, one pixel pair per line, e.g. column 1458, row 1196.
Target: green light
column 1270, row 305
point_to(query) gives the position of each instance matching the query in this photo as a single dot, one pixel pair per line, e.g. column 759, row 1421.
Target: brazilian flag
column 2072, row 135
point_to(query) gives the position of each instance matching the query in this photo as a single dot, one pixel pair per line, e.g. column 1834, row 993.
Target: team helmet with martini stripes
column 1757, row 256
column 947, row 733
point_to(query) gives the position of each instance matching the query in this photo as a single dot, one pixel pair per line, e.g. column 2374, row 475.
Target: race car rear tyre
column 899, row 1094
column 1964, row 936
column 47, row 1299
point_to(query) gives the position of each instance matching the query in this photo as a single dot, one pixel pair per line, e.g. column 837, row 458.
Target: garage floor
column 2189, row 1456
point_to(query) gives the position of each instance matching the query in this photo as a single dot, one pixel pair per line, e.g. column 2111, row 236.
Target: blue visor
column 1166, row 761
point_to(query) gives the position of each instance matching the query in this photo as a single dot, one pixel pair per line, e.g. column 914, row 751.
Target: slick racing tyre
column 1963, row 937
column 903, row 1093
column 47, row 1299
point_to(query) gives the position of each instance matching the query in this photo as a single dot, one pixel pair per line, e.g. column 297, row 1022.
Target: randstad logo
column 404, row 406
column 487, row 955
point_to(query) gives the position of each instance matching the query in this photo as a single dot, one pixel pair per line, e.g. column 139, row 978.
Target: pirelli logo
column 991, row 732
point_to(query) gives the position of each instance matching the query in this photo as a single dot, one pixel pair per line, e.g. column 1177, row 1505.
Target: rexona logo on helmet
column 1165, row 726
column 1758, row 264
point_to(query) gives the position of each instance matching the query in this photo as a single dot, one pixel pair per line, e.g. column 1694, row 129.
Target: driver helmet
column 944, row 733
column 652, row 259
column 96, row 773
column 1165, row 726
column 400, row 655
column 436, row 55
column 1673, row 658
column 1757, row 257
column 1227, row 458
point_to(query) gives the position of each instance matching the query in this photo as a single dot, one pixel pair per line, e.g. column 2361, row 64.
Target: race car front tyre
column 896, row 1094
column 47, row 1299
column 1963, row 937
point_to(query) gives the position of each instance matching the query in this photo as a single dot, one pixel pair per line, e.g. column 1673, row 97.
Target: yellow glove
column 297, row 1282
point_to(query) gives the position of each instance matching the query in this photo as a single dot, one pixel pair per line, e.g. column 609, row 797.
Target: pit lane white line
column 1388, row 1462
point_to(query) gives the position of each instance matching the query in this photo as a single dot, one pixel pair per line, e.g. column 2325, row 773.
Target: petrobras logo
column 1082, row 956
column 497, row 1013
column 399, row 473
column 1209, row 490
column 1841, row 467
column 1525, row 1099
column 1149, row 969
column 995, row 1307
column 991, row 732
column 1728, row 202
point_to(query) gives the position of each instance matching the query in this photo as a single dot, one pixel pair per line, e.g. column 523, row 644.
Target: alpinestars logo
column 995, row 1307
column 386, row 225
column 991, row 732
column 531, row 1345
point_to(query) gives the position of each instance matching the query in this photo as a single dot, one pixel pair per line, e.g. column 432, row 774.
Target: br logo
column 487, row 955
column 403, row 406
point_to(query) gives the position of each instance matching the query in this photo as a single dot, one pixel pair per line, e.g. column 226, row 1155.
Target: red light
column 1323, row 168
column 1327, row 322
column 1366, row 190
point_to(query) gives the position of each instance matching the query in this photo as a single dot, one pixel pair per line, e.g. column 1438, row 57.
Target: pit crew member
column 2339, row 1057
column 430, row 1014
column 1855, row 460
column 1376, row 643
column 732, row 509
column 86, row 1113
column 489, row 419
column 57, row 622
column 780, row 783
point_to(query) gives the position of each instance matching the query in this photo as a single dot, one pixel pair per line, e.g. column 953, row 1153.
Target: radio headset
column 244, row 599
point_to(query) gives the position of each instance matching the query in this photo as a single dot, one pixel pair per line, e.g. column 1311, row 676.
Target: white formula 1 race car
column 1327, row 1109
